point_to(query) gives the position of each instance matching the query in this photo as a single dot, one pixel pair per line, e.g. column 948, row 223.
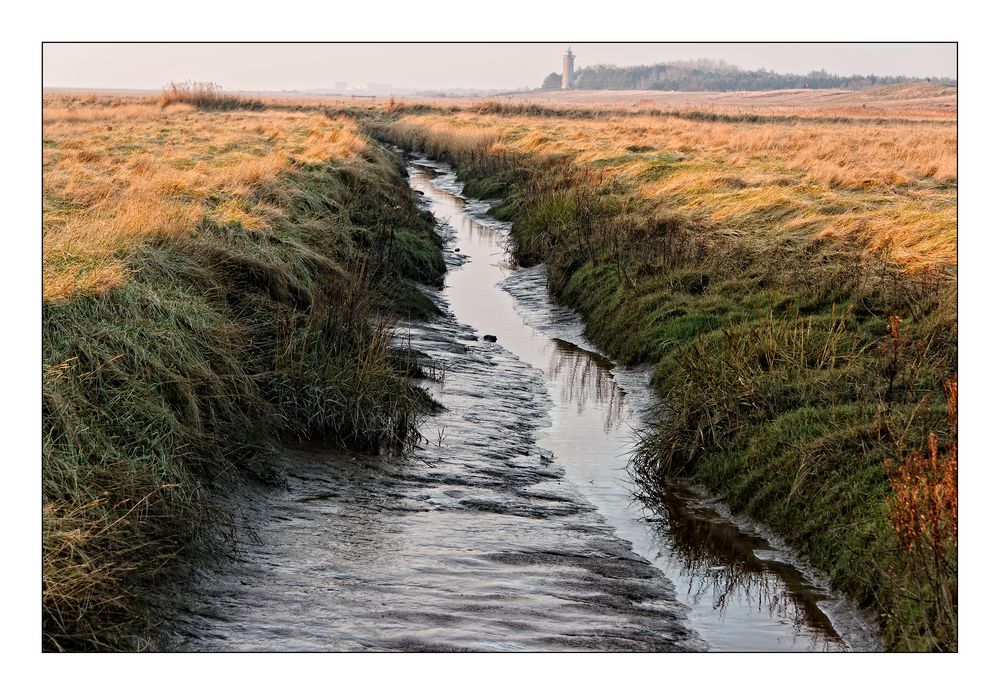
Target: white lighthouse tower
column 568, row 69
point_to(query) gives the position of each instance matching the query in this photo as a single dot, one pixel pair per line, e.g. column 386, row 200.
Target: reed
column 208, row 96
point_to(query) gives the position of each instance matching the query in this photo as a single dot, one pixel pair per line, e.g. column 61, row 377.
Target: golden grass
column 120, row 172
column 915, row 101
column 889, row 185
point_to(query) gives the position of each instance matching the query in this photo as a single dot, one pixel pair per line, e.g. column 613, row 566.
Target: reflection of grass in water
column 702, row 543
column 585, row 378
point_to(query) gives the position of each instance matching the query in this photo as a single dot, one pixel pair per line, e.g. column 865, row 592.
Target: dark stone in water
column 457, row 250
column 490, row 338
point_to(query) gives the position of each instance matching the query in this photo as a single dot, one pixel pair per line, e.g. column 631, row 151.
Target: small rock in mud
column 458, row 250
column 490, row 338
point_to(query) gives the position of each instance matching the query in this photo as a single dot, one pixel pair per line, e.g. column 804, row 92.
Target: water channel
column 514, row 525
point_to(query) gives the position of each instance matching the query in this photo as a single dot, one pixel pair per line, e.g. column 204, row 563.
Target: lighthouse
column 568, row 69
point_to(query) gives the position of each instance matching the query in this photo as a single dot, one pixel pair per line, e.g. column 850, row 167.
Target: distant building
column 340, row 87
column 568, row 69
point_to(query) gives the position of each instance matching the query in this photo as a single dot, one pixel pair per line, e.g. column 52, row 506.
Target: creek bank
column 179, row 384
column 778, row 394
column 491, row 534
column 474, row 541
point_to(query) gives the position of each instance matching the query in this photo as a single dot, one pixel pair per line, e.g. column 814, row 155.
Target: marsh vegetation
column 792, row 280
column 214, row 282
column 221, row 273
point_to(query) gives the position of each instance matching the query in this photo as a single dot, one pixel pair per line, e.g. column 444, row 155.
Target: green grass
column 417, row 256
column 781, row 386
column 186, row 377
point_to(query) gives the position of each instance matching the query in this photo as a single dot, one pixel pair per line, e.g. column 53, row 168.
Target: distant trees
column 715, row 76
column 552, row 81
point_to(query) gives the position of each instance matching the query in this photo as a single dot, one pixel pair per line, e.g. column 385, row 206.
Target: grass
column 214, row 282
column 208, row 96
column 219, row 274
column 791, row 277
column 891, row 185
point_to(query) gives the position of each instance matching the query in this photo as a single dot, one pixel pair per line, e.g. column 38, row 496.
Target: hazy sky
column 429, row 66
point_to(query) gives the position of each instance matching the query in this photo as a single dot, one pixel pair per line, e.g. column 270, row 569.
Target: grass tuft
column 208, row 96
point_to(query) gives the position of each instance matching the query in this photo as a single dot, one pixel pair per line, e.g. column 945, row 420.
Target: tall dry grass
column 208, row 96
column 923, row 510
column 117, row 174
column 889, row 185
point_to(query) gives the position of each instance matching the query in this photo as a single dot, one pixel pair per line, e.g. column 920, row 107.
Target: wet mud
column 513, row 525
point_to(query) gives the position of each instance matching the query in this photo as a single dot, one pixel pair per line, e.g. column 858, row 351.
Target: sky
column 301, row 66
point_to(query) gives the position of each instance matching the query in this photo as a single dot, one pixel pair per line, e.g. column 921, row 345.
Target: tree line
column 718, row 76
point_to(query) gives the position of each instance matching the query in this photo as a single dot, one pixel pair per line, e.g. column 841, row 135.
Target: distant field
column 888, row 185
column 918, row 100
column 919, row 96
column 120, row 165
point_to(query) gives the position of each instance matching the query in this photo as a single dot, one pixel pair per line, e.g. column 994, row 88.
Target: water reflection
column 717, row 565
column 474, row 231
column 727, row 566
column 739, row 598
column 584, row 379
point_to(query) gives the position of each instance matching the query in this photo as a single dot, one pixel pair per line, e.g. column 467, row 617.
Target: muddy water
column 514, row 525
